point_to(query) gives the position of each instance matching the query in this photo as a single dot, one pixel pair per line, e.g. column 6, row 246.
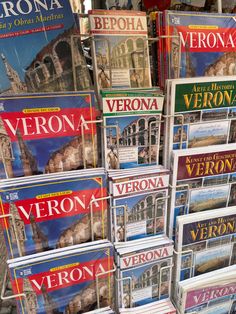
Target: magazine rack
column 83, row 127
column 161, row 271
column 91, row 212
column 14, row 296
column 97, row 282
column 181, row 253
column 153, row 126
column 110, row 127
column 10, row 216
column 125, row 209
column 167, row 119
column 113, row 215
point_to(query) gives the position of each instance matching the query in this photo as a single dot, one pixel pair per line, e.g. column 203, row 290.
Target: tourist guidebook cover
column 202, row 112
column 43, row 133
column 205, row 242
column 132, row 128
column 145, row 273
column 140, row 205
column 120, row 48
column 38, row 40
column 69, row 282
column 209, row 294
column 64, row 202
column 207, row 42
column 203, row 179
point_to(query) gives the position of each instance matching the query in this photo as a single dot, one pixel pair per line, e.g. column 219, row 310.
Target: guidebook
column 76, row 281
column 132, row 128
column 207, row 42
column 200, row 112
column 204, row 242
column 46, row 133
column 203, row 179
column 209, row 293
column 120, row 48
column 139, row 204
column 40, row 48
column 54, row 213
column 144, row 272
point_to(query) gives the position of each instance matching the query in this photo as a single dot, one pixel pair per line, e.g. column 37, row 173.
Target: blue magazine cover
column 207, row 43
column 42, row 133
column 65, row 283
column 40, row 48
column 37, row 207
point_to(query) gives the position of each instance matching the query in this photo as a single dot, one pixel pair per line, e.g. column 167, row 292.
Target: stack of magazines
column 72, row 280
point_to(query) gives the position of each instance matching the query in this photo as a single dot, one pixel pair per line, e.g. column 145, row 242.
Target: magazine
column 200, row 112
column 205, row 242
column 70, row 282
column 63, row 201
column 120, row 49
column 160, row 307
column 54, row 122
column 209, row 293
column 40, row 48
column 207, row 42
column 203, row 179
column 144, row 272
column 139, row 203
column 132, row 123
column 105, row 310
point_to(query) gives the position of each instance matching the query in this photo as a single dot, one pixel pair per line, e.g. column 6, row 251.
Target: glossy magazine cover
column 43, row 133
column 207, row 42
column 203, row 179
column 53, row 213
column 209, row 293
column 140, row 206
column 145, row 274
column 120, row 48
column 65, row 283
column 38, row 40
column 132, row 123
column 202, row 112
column 205, row 242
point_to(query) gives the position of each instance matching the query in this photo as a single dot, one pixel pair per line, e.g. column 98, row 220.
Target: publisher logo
column 175, row 20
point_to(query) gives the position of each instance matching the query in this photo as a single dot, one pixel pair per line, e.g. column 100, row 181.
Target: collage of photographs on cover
column 118, row 156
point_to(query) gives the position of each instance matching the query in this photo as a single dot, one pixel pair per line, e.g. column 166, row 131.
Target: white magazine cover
column 144, row 274
column 203, row 179
column 139, row 205
column 132, row 128
column 209, row 293
column 204, row 242
column 201, row 113
column 120, row 49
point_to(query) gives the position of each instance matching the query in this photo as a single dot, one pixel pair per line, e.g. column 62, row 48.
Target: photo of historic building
column 150, row 209
column 86, row 299
column 126, row 55
column 18, row 232
column 208, row 134
column 152, row 275
column 52, row 68
column 139, row 133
